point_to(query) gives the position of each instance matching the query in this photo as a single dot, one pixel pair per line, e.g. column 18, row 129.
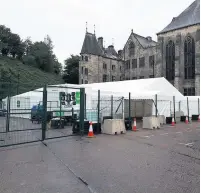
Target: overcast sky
column 65, row 20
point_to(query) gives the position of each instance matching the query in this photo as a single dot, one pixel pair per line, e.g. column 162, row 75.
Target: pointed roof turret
column 90, row 45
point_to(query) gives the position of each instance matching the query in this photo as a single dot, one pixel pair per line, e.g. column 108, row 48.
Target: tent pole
column 188, row 108
column 98, row 109
column 174, row 107
column 156, row 105
column 44, row 120
column 179, row 106
column 112, row 106
column 129, row 110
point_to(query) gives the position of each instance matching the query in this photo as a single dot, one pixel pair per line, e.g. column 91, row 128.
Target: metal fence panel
column 16, row 113
column 63, row 115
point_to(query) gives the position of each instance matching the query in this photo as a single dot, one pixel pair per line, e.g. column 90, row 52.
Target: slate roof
column 190, row 16
column 110, row 52
column 144, row 41
column 90, row 45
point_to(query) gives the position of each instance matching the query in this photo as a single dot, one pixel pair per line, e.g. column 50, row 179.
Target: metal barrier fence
column 39, row 114
column 108, row 105
column 60, row 111
column 16, row 124
column 66, row 115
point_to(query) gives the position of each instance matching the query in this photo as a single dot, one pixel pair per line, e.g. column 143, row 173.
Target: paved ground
column 157, row 161
column 23, row 130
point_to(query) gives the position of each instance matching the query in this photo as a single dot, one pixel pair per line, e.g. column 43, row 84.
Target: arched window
column 170, row 61
column 189, row 58
column 131, row 49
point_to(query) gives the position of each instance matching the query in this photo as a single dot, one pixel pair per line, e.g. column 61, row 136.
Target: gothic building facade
column 175, row 56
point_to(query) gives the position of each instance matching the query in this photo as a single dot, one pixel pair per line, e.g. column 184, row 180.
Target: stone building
column 176, row 55
column 98, row 64
column 139, row 54
column 179, row 56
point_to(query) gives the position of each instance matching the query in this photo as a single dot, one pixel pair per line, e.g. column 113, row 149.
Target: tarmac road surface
column 156, row 161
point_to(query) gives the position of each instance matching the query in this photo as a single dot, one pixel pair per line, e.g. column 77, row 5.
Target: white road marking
column 148, row 136
column 164, row 134
column 187, row 144
column 178, row 132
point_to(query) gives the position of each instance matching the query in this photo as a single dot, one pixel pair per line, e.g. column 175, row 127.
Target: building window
column 104, row 78
column 142, row 62
column 134, row 78
column 128, row 64
column 86, row 82
column 189, row 58
column 151, row 76
column 170, row 61
column 189, row 91
column 82, row 57
column 113, row 67
column 86, row 58
column 131, row 49
column 113, row 78
column 86, row 71
column 151, row 61
column 134, row 63
column 18, row 104
column 82, row 70
column 141, row 77
column 120, row 68
column 104, row 66
column 120, row 78
column 82, row 81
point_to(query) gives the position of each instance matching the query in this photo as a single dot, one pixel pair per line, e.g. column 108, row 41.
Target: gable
column 139, row 41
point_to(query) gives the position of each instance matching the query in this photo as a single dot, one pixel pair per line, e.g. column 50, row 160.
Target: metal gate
column 16, row 126
column 39, row 114
column 63, row 111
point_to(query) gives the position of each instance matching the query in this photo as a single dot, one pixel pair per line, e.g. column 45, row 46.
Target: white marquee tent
column 144, row 89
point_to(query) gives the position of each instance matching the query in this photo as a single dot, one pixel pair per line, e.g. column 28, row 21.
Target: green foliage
column 71, row 70
column 16, row 77
column 39, row 54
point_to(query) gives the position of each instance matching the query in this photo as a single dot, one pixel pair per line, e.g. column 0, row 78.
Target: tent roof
column 138, row 88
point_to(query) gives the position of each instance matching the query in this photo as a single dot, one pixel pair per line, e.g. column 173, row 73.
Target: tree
column 27, row 44
column 5, row 34
column 38, row 54
column 71, row 70
column 14, row 43
column 20, row 50
column 42, row 56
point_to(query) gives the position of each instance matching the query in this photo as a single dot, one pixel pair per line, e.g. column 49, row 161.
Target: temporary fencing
column 48, row 112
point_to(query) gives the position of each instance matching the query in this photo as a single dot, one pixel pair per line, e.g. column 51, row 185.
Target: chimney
column 111, row 46
column 173, row 18
column 100, row 42
column 149, row 38
column 120, row 52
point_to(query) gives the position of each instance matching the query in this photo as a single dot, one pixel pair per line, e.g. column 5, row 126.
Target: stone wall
column 178, row 37
column 93, row 68
column 96, row 70
column 139, row 52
